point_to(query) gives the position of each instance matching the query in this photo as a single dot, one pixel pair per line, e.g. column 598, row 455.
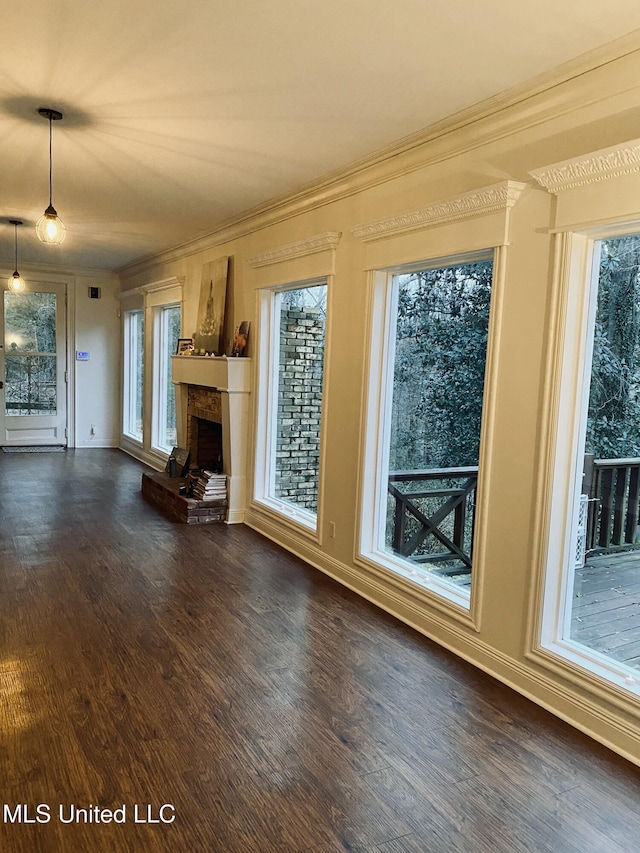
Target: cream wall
column 557, row 119
column 97, row 381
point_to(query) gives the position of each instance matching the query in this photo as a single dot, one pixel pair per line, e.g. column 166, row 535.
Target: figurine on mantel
column 240, row 338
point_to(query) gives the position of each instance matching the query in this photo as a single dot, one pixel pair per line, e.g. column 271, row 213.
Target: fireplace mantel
column 232, row 377
column 225, row 374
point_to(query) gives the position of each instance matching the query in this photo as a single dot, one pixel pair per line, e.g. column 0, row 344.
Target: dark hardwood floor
column 145, row 663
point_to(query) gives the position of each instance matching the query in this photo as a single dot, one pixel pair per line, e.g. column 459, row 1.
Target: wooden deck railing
column 412, row 525
column 613, row 515
column 613, row 487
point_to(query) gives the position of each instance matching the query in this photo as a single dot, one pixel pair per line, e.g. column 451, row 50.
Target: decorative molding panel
column 128, row 294
column 590, row 169
column 165, row 284
column 496, row 197
column 319, row 243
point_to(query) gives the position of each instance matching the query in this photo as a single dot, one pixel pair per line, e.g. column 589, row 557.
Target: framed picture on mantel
column 213, row 293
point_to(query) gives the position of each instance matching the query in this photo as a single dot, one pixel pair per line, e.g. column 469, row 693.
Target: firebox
column 206, row 444
column 204, row 428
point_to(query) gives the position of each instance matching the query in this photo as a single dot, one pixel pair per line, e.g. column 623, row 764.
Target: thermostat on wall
column 94, row 293
column 82, row 356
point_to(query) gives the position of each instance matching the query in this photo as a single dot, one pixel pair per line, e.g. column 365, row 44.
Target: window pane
column 441, row 328
column 302, row 320
column 134, row 372
column 170, row 334
column 606, row 559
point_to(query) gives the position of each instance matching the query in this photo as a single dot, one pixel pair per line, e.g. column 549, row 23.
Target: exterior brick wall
column 299, row 406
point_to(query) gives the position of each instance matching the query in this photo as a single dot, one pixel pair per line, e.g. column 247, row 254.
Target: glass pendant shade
column 16, row 283
column 50, row 228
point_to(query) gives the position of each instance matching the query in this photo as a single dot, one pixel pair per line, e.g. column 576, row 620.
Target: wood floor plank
column 144, row 663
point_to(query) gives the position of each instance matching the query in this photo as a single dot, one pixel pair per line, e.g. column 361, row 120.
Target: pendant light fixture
column 49, row 227
column 15, row 281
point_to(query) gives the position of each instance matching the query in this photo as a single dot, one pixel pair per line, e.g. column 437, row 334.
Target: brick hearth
column 162, row 491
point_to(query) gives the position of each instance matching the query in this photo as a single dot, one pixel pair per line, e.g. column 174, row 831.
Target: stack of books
column 210, row 487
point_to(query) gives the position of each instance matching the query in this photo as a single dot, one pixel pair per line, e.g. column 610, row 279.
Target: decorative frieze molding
column 496, row 197
column 319, row 243
column 153, row 287
column 128, row 294
column 165, row 284
column 590, row 169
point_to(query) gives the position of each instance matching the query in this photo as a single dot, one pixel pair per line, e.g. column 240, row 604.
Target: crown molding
column 592, row 168
column 489, row 199
column 319, row 243
column 549, row 96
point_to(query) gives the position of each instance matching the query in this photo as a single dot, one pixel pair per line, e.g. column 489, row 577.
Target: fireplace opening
column 206, row 444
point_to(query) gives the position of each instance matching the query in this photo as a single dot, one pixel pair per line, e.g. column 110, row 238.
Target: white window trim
column 129, row 386
column 305, row 522
column 460, row 602
column 577, row 276
column 159, row 372
column 596, row 197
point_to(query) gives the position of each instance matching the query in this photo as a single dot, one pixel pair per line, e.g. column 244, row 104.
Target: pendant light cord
column 50, row 164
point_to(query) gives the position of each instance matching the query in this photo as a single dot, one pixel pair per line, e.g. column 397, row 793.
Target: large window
column 292, row 365
column 133, row 374
column 593, row 614
column 429, row 347
column 167, row 332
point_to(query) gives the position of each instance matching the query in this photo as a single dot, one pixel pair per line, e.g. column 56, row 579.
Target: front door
column 33, row 399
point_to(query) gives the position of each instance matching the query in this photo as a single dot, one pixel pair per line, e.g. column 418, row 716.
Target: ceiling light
column 15, row 281
column 49, row 227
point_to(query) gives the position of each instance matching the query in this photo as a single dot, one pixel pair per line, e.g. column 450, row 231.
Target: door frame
column 69, row 292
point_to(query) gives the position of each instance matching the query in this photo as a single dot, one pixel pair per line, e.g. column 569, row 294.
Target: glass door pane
column 30, row 354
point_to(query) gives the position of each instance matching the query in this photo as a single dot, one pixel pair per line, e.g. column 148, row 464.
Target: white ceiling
column 180, row 114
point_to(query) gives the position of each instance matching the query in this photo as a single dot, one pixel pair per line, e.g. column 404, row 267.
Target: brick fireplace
column 212, row 408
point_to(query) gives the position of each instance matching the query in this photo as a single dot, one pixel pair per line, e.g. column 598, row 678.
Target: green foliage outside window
column 30, row 353
column 172, row 316
column 438, row 382
column 613, row 424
